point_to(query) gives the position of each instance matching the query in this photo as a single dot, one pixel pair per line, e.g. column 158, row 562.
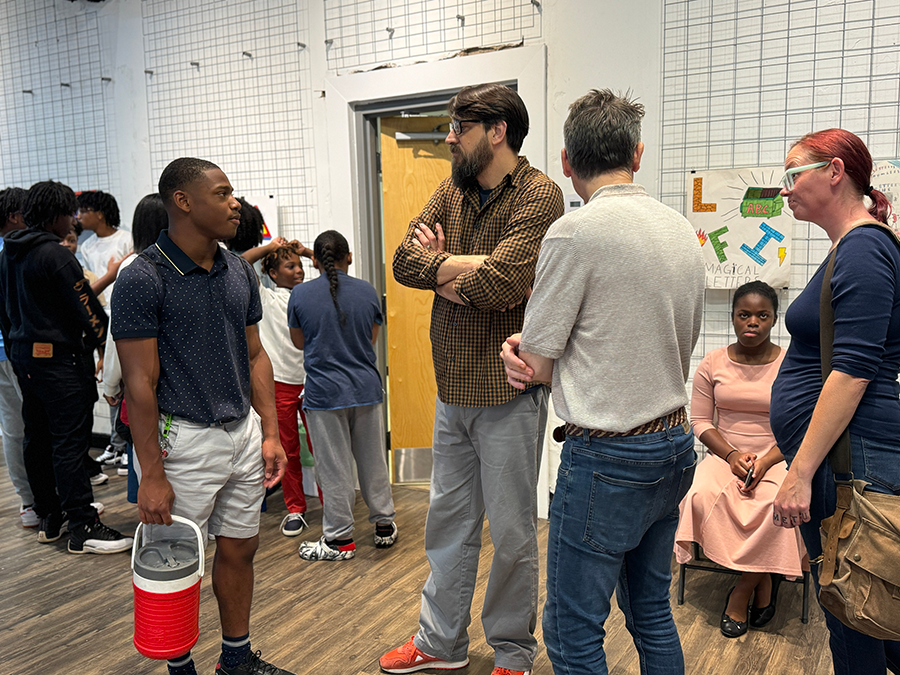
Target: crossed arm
column 452, row 265
column 491, row 282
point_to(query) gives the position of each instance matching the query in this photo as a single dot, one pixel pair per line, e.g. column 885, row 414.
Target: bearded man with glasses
column 475, row 246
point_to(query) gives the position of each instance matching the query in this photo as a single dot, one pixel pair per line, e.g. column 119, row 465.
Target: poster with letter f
column 742, row 224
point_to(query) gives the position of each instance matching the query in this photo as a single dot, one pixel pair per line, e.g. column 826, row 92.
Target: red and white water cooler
column 166, row 579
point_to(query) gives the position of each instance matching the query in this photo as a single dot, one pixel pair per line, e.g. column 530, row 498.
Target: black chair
column 713, row 567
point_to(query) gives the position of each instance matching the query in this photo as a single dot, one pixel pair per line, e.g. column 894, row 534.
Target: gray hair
column 602, row 132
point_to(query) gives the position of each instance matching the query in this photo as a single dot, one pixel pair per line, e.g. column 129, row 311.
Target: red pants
column 288, row 400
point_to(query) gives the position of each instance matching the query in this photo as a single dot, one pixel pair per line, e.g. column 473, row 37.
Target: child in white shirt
column 281, row 263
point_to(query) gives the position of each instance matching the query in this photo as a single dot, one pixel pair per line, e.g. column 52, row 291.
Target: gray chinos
column 486, row 461
column 340, row 437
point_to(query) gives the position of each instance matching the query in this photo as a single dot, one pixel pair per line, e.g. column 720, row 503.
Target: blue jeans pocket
column 687, row 477
column 615, row 507
column 881, row 463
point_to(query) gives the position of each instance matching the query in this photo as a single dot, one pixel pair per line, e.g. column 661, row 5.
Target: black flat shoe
column 760, row 616
column 729, row 627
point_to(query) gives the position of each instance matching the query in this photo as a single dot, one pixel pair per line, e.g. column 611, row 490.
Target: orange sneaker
column 409, row 659
column 507, row 671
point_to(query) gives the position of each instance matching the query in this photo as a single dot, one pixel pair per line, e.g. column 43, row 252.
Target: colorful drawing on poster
column 719, row 245
column 886, row 179
column 741, row 224
column 762, row 202
column 699, row 206
column 755, row 253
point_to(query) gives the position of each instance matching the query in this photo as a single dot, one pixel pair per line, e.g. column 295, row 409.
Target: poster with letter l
column 743, row 227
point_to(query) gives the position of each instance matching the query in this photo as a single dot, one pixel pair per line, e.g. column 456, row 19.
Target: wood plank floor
column 62, row 614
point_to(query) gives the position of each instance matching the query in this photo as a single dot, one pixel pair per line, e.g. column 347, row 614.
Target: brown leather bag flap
column 875, row 550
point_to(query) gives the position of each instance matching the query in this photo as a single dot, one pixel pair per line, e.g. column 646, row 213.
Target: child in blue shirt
column 335, row 320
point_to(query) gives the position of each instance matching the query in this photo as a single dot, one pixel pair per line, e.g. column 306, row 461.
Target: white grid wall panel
column 53, row 121
column 362, row 34
column 245, row 103
column 744, row 79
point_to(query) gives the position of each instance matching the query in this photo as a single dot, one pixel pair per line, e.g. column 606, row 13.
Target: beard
column 466, row 167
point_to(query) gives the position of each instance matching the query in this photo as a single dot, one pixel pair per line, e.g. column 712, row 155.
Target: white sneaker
column 320, row 550
column 108, row 456
column 29, row 517
column 123, row 465
column 98, row 506
column 99, row 479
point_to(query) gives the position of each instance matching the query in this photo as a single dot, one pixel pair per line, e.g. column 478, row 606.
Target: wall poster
column 886, row 178
column 740, row 219
column 268, row 206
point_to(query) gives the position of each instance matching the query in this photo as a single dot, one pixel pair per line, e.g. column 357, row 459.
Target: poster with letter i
column 740, row 220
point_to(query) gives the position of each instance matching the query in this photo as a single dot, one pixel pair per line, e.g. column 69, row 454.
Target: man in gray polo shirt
column 184, row 320
column 613, row 319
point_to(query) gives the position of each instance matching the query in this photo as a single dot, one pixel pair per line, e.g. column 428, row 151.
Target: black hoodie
column 44, row 296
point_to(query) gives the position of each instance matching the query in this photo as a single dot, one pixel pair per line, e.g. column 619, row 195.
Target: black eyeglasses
column 456, row 125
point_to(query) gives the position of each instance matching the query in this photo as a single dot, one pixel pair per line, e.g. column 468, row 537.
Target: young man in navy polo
column 185, row 324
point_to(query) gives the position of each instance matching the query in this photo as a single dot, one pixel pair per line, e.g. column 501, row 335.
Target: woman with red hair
column 827, row 182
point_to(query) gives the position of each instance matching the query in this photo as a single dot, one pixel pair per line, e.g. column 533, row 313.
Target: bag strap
column 835, row 523
column 839, row 455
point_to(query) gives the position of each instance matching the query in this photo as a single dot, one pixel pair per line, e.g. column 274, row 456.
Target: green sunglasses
column 790, row 175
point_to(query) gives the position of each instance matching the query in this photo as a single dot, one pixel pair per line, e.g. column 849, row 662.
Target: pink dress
column 735, row 529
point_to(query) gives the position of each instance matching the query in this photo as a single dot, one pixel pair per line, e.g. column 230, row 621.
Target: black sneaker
column 95, row 537
column 252, row 665
column 52, row 527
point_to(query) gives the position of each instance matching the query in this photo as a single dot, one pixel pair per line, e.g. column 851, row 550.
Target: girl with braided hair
column 335, row 320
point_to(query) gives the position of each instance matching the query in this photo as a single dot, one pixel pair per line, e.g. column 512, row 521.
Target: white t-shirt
column 112, row 369
column 96, row 252
column 287, row 360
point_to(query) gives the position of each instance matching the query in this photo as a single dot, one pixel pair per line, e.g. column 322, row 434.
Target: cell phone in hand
column 749, row 478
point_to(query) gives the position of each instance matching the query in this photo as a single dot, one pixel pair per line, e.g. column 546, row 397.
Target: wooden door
column 411, row 171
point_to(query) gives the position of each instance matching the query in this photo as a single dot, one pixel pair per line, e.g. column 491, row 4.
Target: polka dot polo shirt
column 199, row 319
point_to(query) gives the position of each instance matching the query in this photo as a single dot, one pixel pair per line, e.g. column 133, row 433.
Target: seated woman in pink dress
column 730, row 416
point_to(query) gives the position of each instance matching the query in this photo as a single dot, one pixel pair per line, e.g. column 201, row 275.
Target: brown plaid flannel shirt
column 466, row 339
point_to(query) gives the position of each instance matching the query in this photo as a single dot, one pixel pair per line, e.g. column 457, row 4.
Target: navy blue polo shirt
column 199, row 319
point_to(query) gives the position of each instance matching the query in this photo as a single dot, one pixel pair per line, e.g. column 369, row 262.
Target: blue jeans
column 879, row 464
column 612, row 526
